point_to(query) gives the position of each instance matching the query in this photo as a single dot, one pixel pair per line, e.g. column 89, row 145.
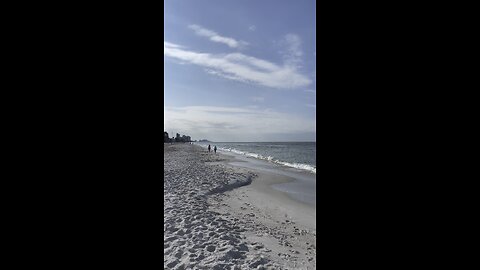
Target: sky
column 240, row 71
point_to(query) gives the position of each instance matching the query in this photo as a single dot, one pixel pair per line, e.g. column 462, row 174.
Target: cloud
column 252, row 28
column 172, row 45
column 311, row 91
column 293, row 52
column 213, row 36
column 311, row 106
column 233, row 123
column 240, row 67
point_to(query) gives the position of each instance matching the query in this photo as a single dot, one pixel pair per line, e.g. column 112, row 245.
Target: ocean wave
column 301, row 166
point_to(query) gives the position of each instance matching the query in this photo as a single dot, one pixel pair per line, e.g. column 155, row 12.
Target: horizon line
column 254, row 141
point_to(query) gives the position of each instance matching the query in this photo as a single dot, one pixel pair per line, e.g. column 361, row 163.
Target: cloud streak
column 292, row 55
column 240, row 67
column 213, row 36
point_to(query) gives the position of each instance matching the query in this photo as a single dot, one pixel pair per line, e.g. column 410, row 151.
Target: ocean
column 299, row 155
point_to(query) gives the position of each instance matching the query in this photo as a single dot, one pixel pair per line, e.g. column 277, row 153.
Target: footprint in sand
column 173, row 263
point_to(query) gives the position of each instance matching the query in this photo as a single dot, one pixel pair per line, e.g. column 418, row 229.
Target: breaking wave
column 305, row 167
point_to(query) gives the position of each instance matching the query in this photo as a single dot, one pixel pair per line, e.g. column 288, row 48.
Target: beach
column 223, row 213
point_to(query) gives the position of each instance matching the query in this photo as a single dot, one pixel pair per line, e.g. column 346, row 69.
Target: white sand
column 221, row 217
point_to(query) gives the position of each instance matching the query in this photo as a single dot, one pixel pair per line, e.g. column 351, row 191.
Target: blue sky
column 240, row 70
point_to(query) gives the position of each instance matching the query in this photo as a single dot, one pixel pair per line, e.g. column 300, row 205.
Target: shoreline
column 298, row 185
column 262, row 186
column 283, row 164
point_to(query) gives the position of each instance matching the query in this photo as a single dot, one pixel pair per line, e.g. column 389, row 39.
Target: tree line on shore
column 177, row 138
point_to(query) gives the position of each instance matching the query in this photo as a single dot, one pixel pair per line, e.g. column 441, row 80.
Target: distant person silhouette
column 209, row 148
column 215, row 149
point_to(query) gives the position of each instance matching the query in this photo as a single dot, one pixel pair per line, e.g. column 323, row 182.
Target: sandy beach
column 219, row 215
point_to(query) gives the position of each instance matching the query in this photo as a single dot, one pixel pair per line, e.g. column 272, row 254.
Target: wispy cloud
column 240, row 67
column 311, row 91
column 233, row 122
column 213, row 36
column 293, row 52
column 252, row 28
column 311, row 106
column 172, row 45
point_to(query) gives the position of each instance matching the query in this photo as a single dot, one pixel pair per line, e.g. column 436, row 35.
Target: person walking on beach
column 209, row 148
column 215, row 149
